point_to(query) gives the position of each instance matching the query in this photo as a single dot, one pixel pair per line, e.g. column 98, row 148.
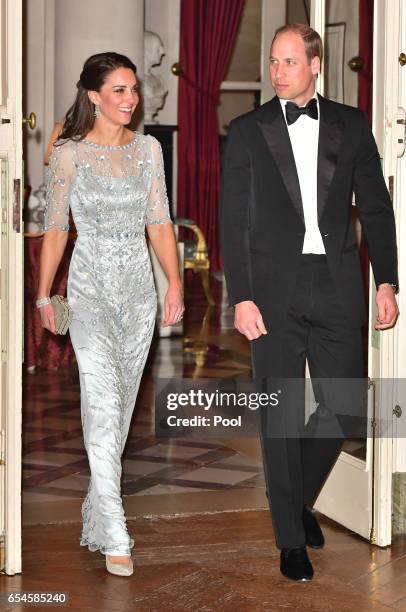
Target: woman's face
column 118, row 96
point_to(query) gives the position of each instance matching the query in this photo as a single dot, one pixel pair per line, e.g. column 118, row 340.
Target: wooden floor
column 225, row 561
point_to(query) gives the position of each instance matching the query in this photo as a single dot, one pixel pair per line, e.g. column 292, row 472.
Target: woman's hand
column 173, row 305
column 47, row 317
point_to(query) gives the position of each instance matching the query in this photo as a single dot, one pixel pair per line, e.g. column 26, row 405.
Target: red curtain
column 208, row 30
column 366, row 20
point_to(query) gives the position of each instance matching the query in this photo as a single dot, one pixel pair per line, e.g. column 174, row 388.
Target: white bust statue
column 154, row 88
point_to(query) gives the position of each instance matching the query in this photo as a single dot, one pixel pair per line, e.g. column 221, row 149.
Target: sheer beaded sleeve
column 59, row 177
column 157, row 207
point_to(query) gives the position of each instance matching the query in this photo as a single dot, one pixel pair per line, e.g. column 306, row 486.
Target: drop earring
column 97, row 112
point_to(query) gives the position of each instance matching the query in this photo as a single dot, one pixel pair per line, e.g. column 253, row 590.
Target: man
column 292, row 267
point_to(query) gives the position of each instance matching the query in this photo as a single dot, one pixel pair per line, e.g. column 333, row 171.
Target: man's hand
column 248, row 320
column 388, row 310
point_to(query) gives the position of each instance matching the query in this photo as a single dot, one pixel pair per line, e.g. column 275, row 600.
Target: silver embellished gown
column 113, row 193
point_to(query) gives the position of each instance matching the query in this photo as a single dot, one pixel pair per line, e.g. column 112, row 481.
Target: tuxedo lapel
column 275, row 132
column 330, row 137
column 274, row 129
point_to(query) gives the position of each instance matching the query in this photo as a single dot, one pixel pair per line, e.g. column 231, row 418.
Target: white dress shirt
column 304, row 138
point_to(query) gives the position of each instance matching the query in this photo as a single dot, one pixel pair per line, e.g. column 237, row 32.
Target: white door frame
column 382, row 359
column 11, row 281
column 400, row 187
column 358, row 494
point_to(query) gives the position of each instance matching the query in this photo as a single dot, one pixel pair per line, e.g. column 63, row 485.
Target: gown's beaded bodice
column 110, row 189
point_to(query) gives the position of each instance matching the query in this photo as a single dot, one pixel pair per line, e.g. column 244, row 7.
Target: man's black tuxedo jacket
column 261, row 213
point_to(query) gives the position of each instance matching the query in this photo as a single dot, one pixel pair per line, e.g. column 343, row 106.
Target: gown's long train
column 113, row 192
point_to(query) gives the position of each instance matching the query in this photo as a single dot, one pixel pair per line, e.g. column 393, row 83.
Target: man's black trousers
column 298, row 459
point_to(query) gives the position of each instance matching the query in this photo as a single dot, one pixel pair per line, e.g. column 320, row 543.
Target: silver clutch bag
column 63, row 313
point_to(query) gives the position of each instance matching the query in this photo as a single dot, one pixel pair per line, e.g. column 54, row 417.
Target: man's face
column 292, row 77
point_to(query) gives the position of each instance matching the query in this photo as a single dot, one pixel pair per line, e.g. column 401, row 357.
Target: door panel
column 11, row 245
column 357, row 493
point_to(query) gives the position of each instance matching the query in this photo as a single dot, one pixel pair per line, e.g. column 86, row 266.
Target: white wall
column 59, row 36
column 163, row 18
column 83, row 28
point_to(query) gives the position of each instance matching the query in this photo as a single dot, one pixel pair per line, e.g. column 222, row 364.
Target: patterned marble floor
column 55, row 466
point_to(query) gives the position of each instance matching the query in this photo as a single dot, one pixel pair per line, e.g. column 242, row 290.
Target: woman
column 113, row 181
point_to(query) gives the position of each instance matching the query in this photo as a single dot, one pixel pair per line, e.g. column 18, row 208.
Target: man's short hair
column 312, row 40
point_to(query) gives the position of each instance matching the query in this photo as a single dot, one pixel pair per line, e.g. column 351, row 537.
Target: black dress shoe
column 314, row 535
column 295, row 564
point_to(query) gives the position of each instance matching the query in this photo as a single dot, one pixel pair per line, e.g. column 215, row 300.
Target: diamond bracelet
column 42, row 302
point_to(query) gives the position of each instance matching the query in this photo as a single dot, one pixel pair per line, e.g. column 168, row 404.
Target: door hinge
column 400, row 131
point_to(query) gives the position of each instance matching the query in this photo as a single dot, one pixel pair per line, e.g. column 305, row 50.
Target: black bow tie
column 293, row 111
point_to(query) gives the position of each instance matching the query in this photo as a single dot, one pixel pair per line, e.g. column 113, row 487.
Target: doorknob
column 402, row 59
column 397, row 411
column 356, row 64
column 177, row 69
column 32, row 121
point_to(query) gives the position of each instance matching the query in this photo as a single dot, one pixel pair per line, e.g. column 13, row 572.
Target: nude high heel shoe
column 119, row 569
